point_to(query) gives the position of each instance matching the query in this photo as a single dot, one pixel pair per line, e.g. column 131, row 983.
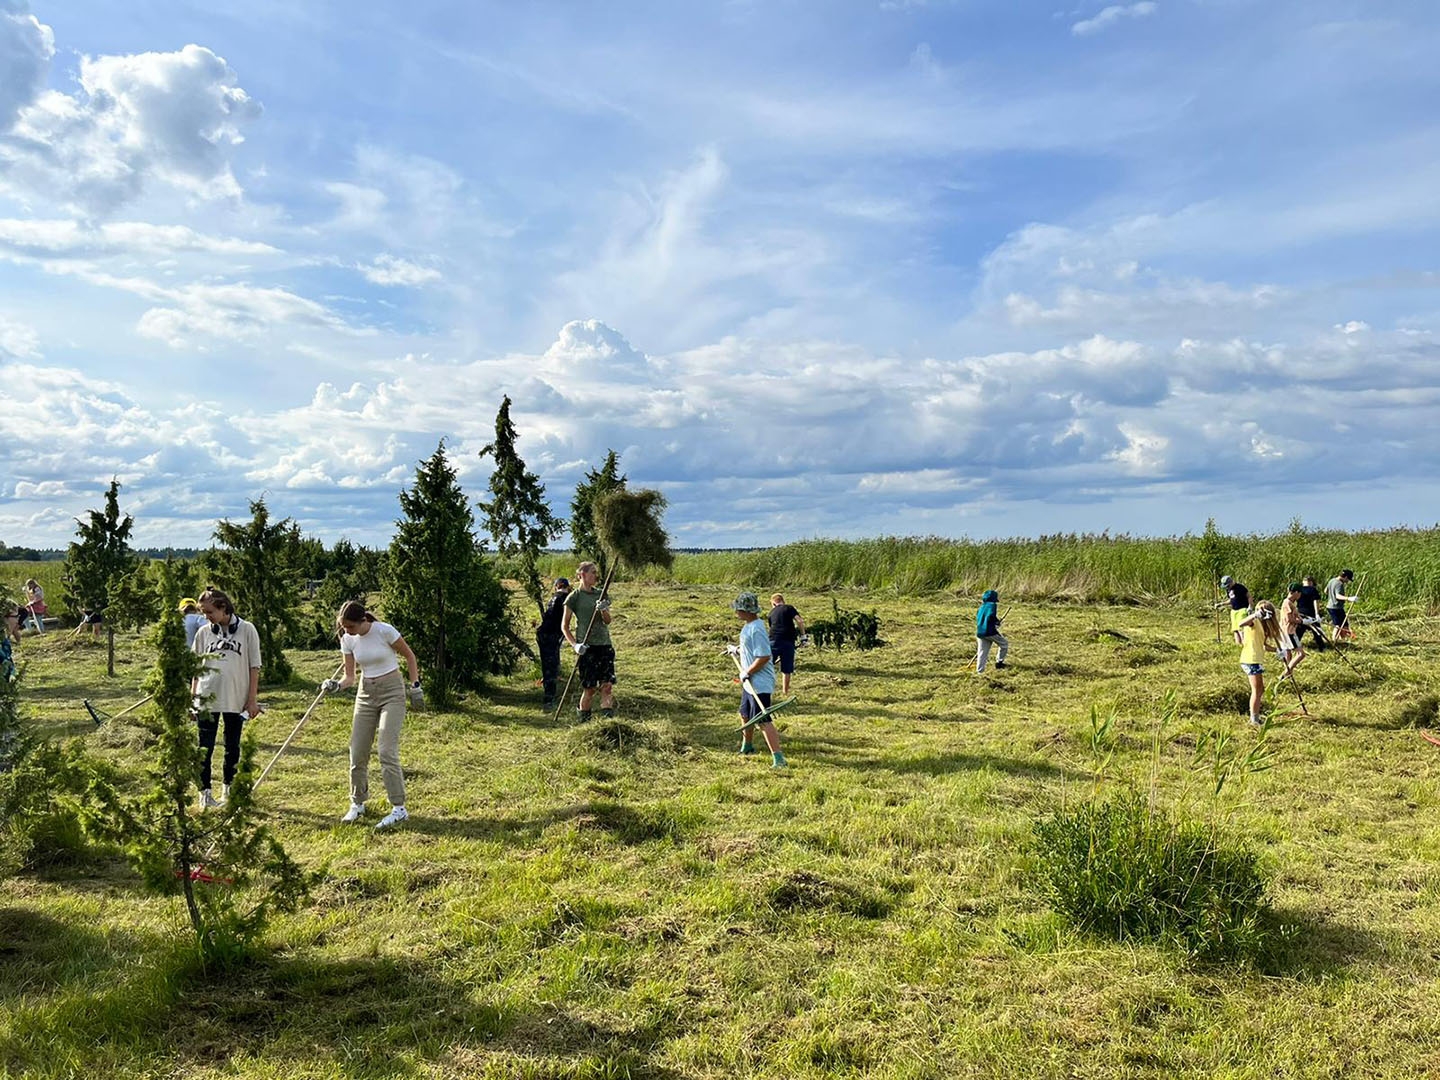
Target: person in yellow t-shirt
column 1255, row 628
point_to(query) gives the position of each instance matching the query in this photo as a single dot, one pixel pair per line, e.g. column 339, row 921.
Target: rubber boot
column 583, row 715
column 609, row 713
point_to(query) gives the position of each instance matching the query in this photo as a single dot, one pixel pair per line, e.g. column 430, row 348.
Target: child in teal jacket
column 987, row 631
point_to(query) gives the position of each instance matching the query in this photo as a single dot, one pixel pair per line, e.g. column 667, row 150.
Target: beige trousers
column 379, row 708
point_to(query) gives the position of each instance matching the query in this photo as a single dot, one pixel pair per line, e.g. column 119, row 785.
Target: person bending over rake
column 377, row 648
column 1254, row 628
column 757, row 667
column 1292, row 624
column 548, row 638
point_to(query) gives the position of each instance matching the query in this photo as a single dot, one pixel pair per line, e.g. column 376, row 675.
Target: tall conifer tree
column 255, row 565
column 439, row 590
column 517, row 516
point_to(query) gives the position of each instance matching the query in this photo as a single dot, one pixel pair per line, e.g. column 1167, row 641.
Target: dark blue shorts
column 784, row 654
column 1337, row 616
column 748, row 709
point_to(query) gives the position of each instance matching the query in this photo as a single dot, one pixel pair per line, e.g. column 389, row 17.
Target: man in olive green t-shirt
column 587, row 629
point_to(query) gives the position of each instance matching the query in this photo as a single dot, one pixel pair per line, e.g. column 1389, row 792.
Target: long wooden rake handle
column 295, row 730
column 132, row 708
column 604, row 587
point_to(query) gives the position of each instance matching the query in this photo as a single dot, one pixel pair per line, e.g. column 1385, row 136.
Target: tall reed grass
column 1397, row 568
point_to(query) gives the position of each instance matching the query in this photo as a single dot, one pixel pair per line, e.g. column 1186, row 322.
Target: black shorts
column 748, row 708
column 1337, row 616
column 784, row 655
column 596, row 667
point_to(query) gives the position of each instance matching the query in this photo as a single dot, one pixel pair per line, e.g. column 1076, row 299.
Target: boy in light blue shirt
column 757, row 666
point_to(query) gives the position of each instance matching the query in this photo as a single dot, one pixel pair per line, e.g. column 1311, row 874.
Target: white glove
column 416, row 693
column 197, row 704
column 581, row 648
column 732, row 650
column 329, row 686
column 602, row 605
column 803, row 640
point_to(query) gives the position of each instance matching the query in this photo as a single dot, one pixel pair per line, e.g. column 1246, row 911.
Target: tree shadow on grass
column 362, row 1017
column 863, row 755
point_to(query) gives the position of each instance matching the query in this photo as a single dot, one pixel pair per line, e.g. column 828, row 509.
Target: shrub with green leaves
column 1128, row 870
column 858, row 628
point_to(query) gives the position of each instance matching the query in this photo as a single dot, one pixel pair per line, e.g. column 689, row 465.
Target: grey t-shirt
column 582, row 602
column 1333, row 592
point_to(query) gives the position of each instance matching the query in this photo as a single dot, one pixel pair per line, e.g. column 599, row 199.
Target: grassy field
column 640, row 901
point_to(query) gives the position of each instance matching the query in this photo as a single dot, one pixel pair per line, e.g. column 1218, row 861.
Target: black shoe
column 1001, row 663
column 609, row 714
column 548, row 704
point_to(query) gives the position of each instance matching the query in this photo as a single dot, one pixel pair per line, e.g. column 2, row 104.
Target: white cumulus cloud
column 171, row 118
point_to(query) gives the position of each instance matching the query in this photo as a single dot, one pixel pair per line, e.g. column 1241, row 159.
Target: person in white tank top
column 376, row 649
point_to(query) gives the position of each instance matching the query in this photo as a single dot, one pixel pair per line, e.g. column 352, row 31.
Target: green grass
column 571, row 904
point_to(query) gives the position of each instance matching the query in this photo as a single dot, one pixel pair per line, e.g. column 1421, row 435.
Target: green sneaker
column 777, row 760
column 746, row 748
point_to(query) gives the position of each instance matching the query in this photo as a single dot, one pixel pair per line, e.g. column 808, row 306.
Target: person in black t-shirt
column 1308, row 604
column 548, row 637
column 785, row 624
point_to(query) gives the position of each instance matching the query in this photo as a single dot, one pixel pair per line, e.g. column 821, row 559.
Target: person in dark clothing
column 548, row 637
column 785, row 623
column 1235, row 593
column 1309, row 606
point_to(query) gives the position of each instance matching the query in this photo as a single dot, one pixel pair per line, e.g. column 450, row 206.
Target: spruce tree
column 256, row 566
column 232, row 873
column 597, row 483
column 95, row 563
column 517, row 516
column 440, row 591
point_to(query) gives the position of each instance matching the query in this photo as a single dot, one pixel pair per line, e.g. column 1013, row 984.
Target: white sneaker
column 394, row 817
column 354, row 814
column 207, row 800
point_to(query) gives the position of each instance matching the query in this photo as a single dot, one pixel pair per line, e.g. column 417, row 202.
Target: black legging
column 209, row 726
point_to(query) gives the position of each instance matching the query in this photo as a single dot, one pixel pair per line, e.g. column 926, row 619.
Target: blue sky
column 976, row 267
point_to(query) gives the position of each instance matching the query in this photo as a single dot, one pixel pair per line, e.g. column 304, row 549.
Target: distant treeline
column 1397, row 567
column 29, row 554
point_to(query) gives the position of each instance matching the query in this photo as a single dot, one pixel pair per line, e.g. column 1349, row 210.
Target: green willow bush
column 1130, row 871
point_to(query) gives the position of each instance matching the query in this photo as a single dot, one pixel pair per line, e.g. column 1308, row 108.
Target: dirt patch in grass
column 616, row 736
column 802, row 890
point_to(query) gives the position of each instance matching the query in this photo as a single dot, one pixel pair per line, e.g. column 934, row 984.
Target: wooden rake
column 765, row 712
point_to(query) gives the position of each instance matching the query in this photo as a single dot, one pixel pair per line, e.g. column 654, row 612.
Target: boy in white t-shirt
column 225, row 690
column 758, row 668
column 376, row 648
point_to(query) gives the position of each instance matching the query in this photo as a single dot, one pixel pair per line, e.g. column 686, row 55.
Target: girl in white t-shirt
column 376, row 647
